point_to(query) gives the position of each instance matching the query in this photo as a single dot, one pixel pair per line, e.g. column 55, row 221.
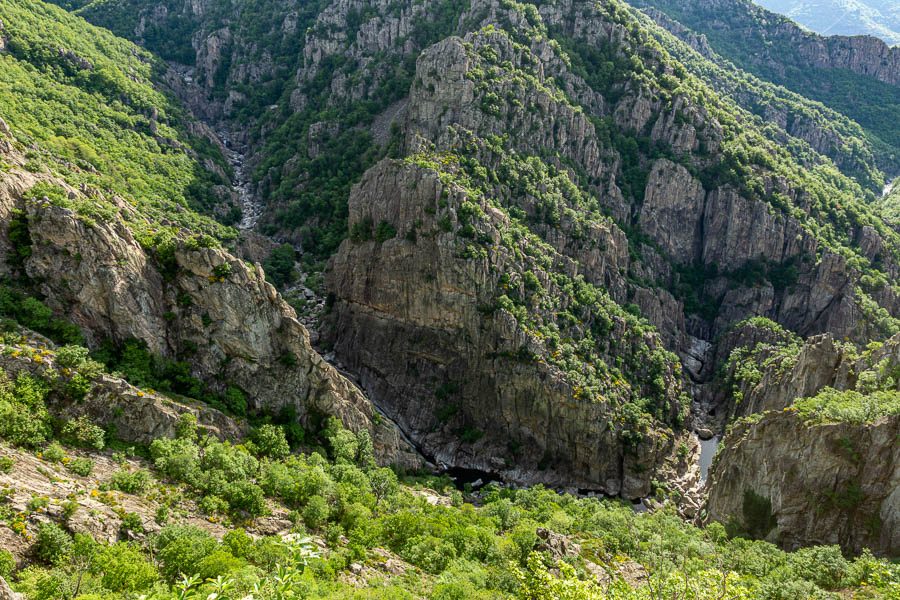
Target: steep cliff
column 822, row 459
column 833, row 483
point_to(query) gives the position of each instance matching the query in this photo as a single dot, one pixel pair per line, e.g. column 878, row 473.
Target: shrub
column 24, row 419
column 132, row 522
column 6, row 464
column 239, row 543
column 212, row 505
column 83, row 432
column 84, row 370
column 69, row 507
column 7, row 563
column 270, row 441
column 222, row 271
column 181, row 548
column 186, row 428
column 384, row 232
column 220, row 562
column 81, row 466
column 235, row 401
column 246, row 496
column 124, row 568
column 53, row 453
column 53, row 543
column 824, row 566
column 315, row 513
column 279, row 267
column 131, row 482
column 178, row 459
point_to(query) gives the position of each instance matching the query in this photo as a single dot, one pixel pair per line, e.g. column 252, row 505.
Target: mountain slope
column 856, row 76
column 845, row 17
column 100, row 191
column 85, row 98
column 548, row 219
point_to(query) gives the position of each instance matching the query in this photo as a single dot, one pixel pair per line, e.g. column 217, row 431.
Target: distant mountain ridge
column 878, row 18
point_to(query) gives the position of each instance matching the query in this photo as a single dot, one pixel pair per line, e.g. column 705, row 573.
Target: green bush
column 279, row 267
column 6, row 464
column 82, row 432
column 53, row 453
column 124, row 569
column 384, row 232
column 81, row 466
column 238, row 542
column 220, row 562
column 245, row 496
column 270, row 441
column 24, row 419
column 131, row 482
column 181, row 548
column 824, row 566
column 186, row 428
column 132, row 522
column 315, row 513
column 212, row 505
column 7, row 563
column 53, row 544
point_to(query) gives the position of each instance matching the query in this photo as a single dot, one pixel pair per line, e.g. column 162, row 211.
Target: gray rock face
column 828, row 484
column 138, row 416
column 6, row 592
column 673, row 209
column 407, row 319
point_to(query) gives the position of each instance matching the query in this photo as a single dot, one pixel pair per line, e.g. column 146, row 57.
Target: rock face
column 828, row 484
column 415, row 313
column 139, row 417
column 832, row 483
column 408, row 319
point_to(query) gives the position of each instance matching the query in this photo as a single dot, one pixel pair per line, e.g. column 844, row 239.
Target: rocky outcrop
column 135, row 415
column 205, row 307
column 827, row 484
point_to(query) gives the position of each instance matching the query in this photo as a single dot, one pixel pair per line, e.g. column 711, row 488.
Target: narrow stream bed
column 707, row 452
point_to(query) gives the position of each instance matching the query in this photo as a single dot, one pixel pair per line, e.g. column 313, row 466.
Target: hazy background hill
column 880, row 18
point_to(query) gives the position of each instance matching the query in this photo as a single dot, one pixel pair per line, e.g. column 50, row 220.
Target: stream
column 251, row 209
column 707, row 453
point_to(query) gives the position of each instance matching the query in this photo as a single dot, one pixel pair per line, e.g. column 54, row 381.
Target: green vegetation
column 841, row 139
column 851, row 406
column 364, row 514
column 86, row 99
